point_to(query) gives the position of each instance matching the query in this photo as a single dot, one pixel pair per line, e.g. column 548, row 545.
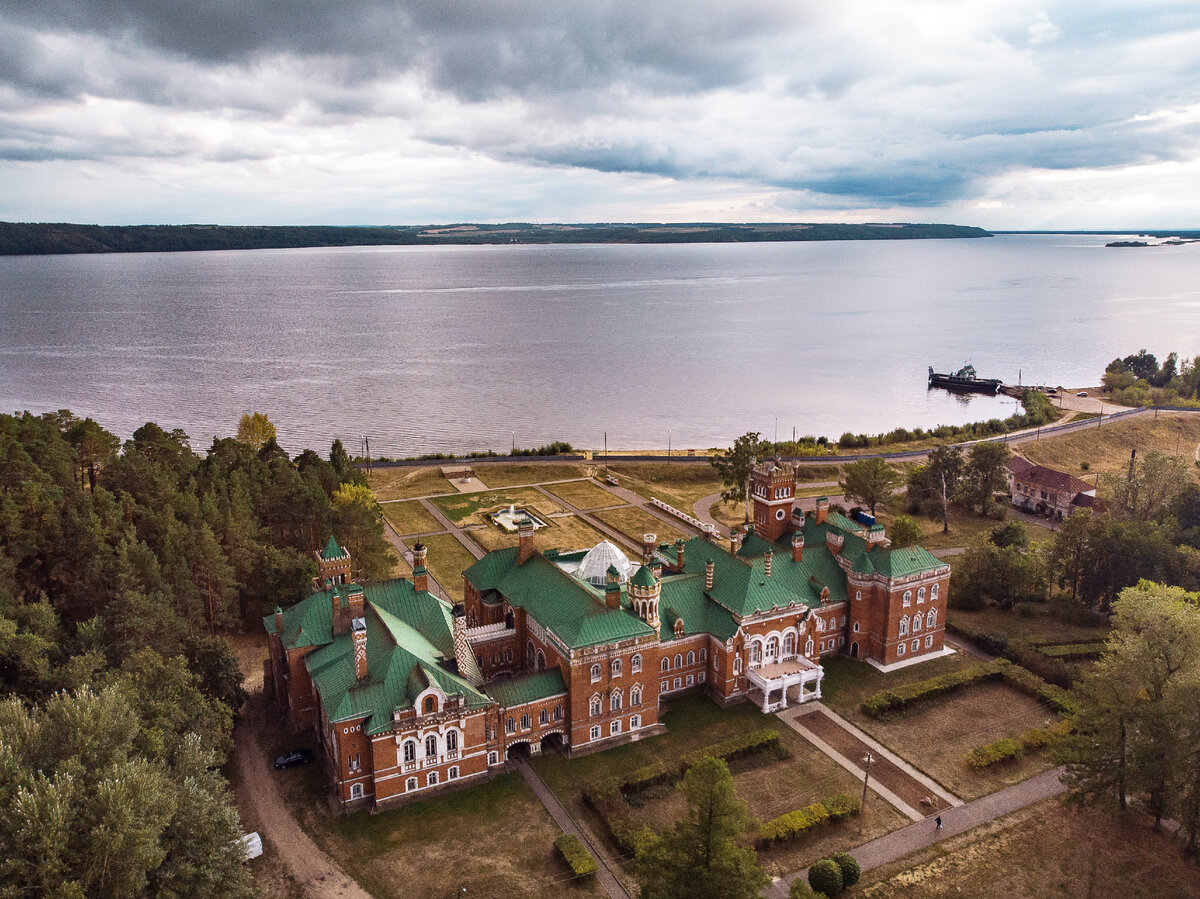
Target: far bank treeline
column 37, row 238
column 120, row 569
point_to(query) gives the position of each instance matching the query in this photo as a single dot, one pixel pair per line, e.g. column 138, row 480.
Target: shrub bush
column 793, row 824
column 992, row 754
column 578, row 859
column 826, row 877
column 801, row 890
column 899, row 698
column 841, row 807
column 851, row 871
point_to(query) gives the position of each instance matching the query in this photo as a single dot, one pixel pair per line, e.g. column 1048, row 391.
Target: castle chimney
column 649, row 541
column 355, row 600
column 735, row 542
column 822, row 509
column 341, row 617
column 279, row 621
column 679, row 554
column 710, row 532
column 468, row 665
column 657, row 569
column 358, row 633
column 612, row 594
column 525, row 547
column 709, row 565
column 875, row 536
column 767, row 557
column 798, row 546
column 420, row 575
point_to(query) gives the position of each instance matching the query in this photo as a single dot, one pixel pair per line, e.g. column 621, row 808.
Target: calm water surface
column 454, row 348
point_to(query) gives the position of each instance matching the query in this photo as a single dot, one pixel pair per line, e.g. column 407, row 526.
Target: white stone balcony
column 779, row 677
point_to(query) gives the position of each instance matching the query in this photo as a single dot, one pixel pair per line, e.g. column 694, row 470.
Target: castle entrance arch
column 521, row 750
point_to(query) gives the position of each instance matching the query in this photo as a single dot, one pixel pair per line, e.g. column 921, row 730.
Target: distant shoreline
column 40, row 239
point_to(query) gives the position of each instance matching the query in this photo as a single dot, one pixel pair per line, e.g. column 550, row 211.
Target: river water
column 455, row 348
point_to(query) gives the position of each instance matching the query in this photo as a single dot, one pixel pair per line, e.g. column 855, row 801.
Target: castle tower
column 333, row 565
column 773, row 490
column 644, row 591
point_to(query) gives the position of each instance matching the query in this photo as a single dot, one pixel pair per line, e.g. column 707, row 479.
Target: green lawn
column 848, row 682
column 585, row 495
column 509, row 474
column 471, row 508
column 410, row 518
column 1044, row 626
column 634, row 523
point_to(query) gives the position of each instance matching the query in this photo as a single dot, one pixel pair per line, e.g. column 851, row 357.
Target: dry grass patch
column 473, row 508
column 634, row 522
column 1014, row 626
column 848, row 682
column 446, row 560
column 678, row 484
column 567, row 533
column 410, row 518
column 965, row 528
column 1045, row 850
column 585, row 495
column 405, row 482
column 1107, row 447
column 511, row 474
column 936, row 735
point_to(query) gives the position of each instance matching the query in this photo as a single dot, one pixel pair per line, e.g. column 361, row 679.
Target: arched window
column 933, row 592
column 635, row 695
column 773, row 648
column 808, row 647
column 541, row 660
column 820, row 624
column 916, row 645
column 526, row 721
column 858, row 594
column 595, row 673
column 789, row 644
column 635, row 664
column 616, row 667
column 916, row 622
column 755, row 652
column 430, row 746
column 703, row 654
column 356, row 791
column 431, row 779
column 595, row 705
column 544, row 717
column 614, row 701
column 931, row 618
column 410, row 784
column 907, row 597
column 666, row 665
column 410, row 751
column 691, row 658
column 903, row 625
column 856, row 627
column 430, row 705
column 558, row 712
column 529, row 652
column 452, row 740
column 452, row 774
column 510, row 726
column 920, row 595
column 737, row 665
column 678, row 660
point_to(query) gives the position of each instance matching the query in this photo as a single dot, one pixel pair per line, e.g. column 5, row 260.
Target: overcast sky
column 1000, row 113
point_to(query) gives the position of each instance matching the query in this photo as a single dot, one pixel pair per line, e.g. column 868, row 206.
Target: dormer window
column 430, row 705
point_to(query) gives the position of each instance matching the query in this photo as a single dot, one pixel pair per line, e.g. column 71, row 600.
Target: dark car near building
column 295, row 757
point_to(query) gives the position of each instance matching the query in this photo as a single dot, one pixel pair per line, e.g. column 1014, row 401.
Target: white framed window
column 432, row 779
column 678, row 660
column 907, row 598
column 857, row 595
column 703, row 654
column 493, row 758
column 856, row 627
column 543, row 717
column 666, row 665
column 614, row 727
column 452, row 774
column 900, row 650
column 933, row 592
column 664, row 686
column 635, row 664
column 451, row 741
column 691, row 680
column 820, row 625
column 635, row 695
column 635, row 721
column 595, row 673
column 822, row 646
column 808, row 647
column 789, row 644
column 929, row 641
column 678, row 683
column 510, row 726
column 614, row 701
column 595, row 706
column 410, row 751
column 916, row 645
column 616, row 667
column 903, row 626
column 691, row 659
column 526, row 722
column 356, row 791
column 931, row 619
column 410, row 784
column 700, row 677
column 755, row 652
column 430, row 746
column 558, row 712
column 920, row 595
column 595, row 732
column 917, row 622
column 737, row 664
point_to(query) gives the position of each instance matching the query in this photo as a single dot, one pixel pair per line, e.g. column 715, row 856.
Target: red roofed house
column 1056, row 494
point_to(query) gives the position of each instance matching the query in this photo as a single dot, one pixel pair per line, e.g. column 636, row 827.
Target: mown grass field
column 1107, row 448
column 472, row 508
column 509, row 474
column 569, row 532
column 585, row 495
column 1047, row 849
column 446, row 560
column 410, row 518
column 634, row 523
column 1045, row 627
column 404, row 482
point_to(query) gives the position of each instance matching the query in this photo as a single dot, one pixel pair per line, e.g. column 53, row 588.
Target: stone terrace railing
column 683, row 516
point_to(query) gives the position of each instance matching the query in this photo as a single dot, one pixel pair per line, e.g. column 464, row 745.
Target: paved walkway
column 402, row 548
column 470, row 545
column 563, row 819
column 900, row 843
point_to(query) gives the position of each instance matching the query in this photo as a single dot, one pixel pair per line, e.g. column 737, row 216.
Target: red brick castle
column 409, row 695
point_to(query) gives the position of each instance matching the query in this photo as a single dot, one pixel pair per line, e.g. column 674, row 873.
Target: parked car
column 1082, row 393
column 295, row 757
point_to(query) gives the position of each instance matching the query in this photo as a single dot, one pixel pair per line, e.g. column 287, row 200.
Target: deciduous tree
column 984, row 475
column 255, row 429
column 734, row 466
column 870, row 481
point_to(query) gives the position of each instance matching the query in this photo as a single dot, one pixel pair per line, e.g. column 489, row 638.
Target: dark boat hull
column 965, row 385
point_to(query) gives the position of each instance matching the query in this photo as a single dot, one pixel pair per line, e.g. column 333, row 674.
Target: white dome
column 595, row 565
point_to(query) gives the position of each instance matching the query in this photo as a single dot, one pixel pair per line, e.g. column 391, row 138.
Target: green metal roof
column 643, row 577
column 332, row 550
column 527, row 688
column 683, row 597
column 573, row 609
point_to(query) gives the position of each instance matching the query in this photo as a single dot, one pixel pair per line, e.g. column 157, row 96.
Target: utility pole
column 868, row 760
column 668, row 443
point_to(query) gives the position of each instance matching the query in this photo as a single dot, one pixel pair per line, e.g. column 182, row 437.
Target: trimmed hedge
column 1038, row 654
column 793, row 824
column 851, row 871
column 899, row 698
column 993, row 754
column 578, row 859
column 607, row 797
column 1074, row 650
column 825, row 877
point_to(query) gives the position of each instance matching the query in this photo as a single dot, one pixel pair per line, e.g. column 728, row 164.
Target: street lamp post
column 868, row 760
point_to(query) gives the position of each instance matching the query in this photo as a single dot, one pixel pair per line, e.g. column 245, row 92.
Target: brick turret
column 525, row 547
column 773, row 489
column 644, row 592
column 420, row 574
column 358, row 633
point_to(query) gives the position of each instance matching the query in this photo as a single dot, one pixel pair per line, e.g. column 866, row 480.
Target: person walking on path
column 939, row 822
